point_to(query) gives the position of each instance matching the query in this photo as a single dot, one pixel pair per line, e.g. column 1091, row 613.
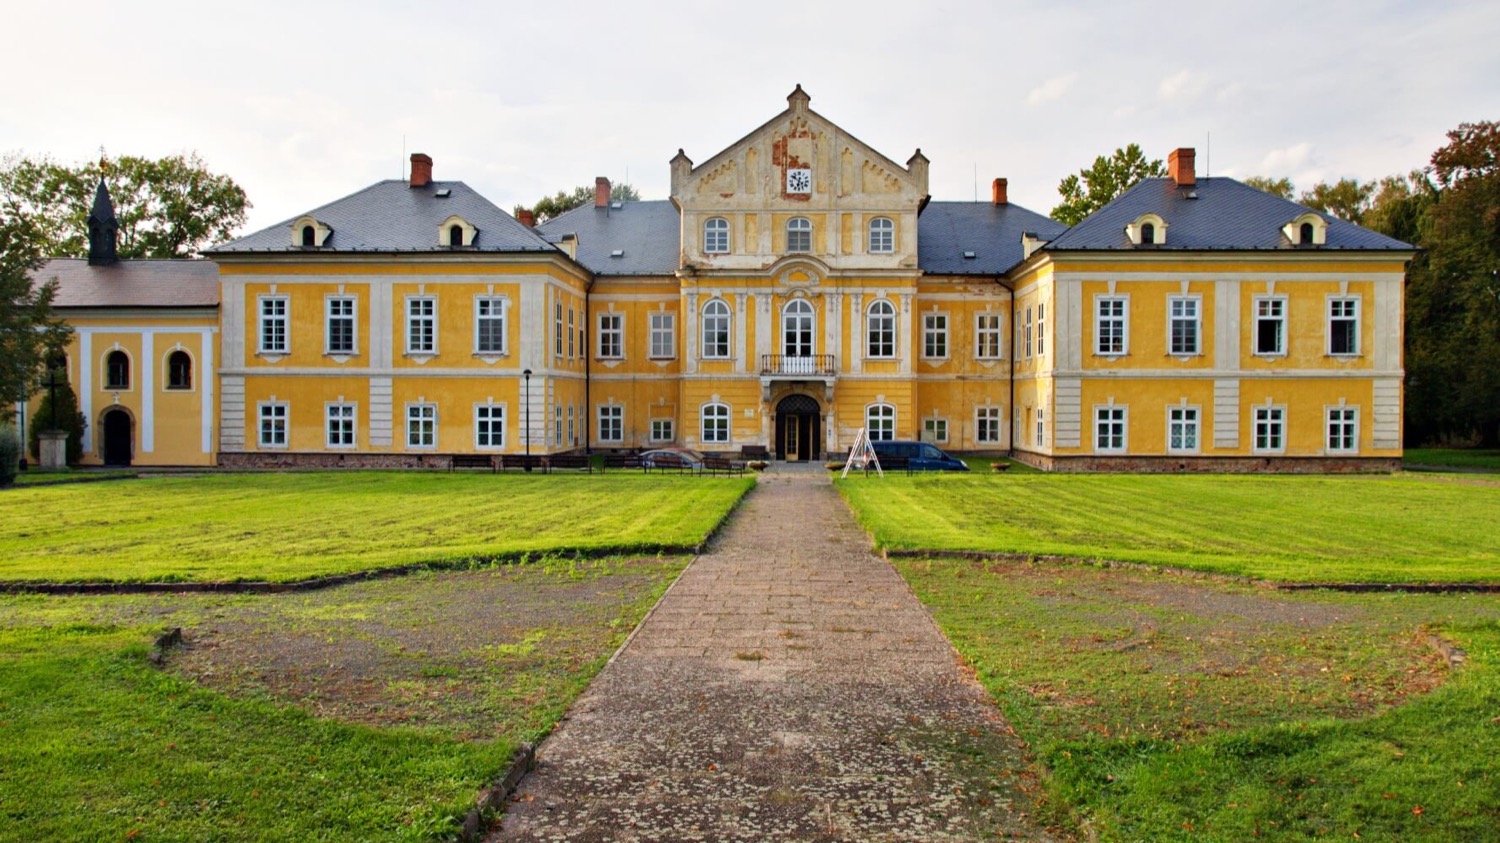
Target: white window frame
column 713, row 423
column 416, row 321
column 1041, row 328
column 1263, row 420
column 614, row 429
column 1041, row 427
column 722, row 315
column 611, row 332
column 420, row 414
column 1341, row 424
column 802, row 227
column 1335, row 304
column 572, row 428
column 663, row 430
column 880, row 330
column 557, row 329
column 1189, row 418
column 110, row 383
column 935, row 335
column 330, row 305
column 937, row 426
column 272, row 421
column 1102, row 349
column 716, row 236
column 885, row 414
column 166, row 379
column 572, row 349
column 273, row 328
column 498, row 308
column 557, row 425
column 1026, row 343
column 1280, row 303
column 882, row 236
column 663, row 335
column 989, row 334
column 989, row 425
column 1106, row 418
column 1195, row 320
column 489, row 426
column 805, row 310
column 340, row 422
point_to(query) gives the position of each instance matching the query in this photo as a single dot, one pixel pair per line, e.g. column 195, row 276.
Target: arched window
column 882, row 236
column 309, row 236
column 1148, row 234
column 117, row 370
column 455, row 235
column 799, row 234
column 179, row 370
column 881, row 330
column 880, row 422
column 797, row 329
column 1305, row 234
column 716, row 236
column 716, row 329
column 715, row 419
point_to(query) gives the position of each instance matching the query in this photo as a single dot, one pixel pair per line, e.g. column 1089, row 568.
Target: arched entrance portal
column 118, row 437
column 797, row 428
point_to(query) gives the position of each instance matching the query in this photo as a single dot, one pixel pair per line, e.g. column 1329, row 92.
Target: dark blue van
column 919, row 456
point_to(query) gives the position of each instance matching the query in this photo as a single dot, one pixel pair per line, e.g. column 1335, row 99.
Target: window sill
column 1333, row 355
column 184, row 389
column 490, row 359
column 1111, row 357
column 272, row 356
column 341, row 357
column 1269, row 355
column 420, row 358
column 662, row 357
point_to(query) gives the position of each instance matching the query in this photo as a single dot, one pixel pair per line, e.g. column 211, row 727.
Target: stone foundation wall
column 1211, row 465
column 272, row 459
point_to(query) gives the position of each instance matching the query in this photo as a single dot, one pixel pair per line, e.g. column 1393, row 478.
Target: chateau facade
column 795, row 287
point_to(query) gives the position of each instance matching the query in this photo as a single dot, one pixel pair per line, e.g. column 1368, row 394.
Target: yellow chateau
column 796, row 287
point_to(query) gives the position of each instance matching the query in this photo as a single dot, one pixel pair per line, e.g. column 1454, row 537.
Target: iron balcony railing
column 813, row 365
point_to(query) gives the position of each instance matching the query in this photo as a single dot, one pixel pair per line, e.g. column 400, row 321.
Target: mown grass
column 1453, row 457
column 283, row 527
column 1164, row 709
column 1402, row 528
column 98, row 744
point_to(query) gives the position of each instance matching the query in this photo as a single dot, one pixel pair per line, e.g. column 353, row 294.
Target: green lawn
column 1165, row 708
column 284, row 527
column 1402, row 528
column 1453, row 457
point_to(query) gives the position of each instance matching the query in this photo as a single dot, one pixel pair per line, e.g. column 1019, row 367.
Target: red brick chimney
column 1180, row 167
column 601, row 192
column 998, row 191
column 421, row 170
column 526, row 217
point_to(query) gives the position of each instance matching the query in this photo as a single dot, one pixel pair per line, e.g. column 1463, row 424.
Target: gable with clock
column 799, row 181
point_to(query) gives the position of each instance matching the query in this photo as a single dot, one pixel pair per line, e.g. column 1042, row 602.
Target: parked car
column 919, row 456
column 679, row 458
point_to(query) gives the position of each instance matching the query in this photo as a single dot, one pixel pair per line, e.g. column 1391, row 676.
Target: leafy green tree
column 10, row 454
column 167, row 208
column 68, row 418
column 551, row 206
column 1348, row 199
column 29, row 330
column 1093, row 188
column 1276, row 187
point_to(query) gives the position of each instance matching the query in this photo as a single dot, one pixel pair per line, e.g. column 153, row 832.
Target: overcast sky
column 305, row 102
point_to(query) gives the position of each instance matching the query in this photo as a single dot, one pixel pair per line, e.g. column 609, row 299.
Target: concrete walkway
column 788, row 687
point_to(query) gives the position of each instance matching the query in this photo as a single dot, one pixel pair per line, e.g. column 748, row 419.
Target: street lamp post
column 526, row 374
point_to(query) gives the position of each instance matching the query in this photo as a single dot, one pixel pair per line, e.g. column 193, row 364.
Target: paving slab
column 788, row 686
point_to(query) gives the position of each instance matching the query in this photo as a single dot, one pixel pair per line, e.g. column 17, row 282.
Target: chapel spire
column 104, row 228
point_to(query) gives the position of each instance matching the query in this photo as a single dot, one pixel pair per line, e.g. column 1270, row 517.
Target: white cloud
column 1182, row 86
column 1052, row 89
column 1281, row 161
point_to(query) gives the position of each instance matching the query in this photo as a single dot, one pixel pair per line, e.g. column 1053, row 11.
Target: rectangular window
column 489, row 325
column 1270, row 429
column 935, row 335
column 661, row 430
column 1041, row 427
column 1182, row 429
column 421, row 325
column 572, row 432
column 1343, row 326
column 338, row 331
column 715, row 428
column 557, row 424
column 1186, row 325
column 1027, row 342
column 611, row 335
column 489, row 426
column 1343, row 430
column 340, row 425
column 571, row 334
column 663, row 335
column 557, row 339
column 880, row 422
column 1270, row 326
column 987, row 345
column 273, row 316
column 1109, row 430
column 273, row 425
column 421, row 425
column 611, row 423
column 935, row 430
column 987, row 425
column 1111, row 325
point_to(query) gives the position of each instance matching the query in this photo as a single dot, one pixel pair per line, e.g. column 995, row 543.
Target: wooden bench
column 575, row 462
column 755, row 452
column 723, row 465
column 622, row 461
column 524, row 462
column 458, row 461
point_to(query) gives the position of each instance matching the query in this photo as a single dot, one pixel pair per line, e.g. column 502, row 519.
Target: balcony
column 787, row 366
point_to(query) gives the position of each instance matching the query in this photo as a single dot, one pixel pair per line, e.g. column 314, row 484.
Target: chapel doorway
column 118, row 437
column 797, row 423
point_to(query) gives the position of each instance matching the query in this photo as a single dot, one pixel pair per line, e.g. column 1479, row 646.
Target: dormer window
column 799, row 231
column 456, row 233
column 309, row 233
column 1147, row 230
column 1310, row 229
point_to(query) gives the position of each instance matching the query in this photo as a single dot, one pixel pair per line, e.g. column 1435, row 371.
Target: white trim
column 652, row 330
column 328, row 317
column 353, row 425
column 1197, row 319
column 1280, row 410
column 995, row 414
column 503, row 316
column 1255, row 319
column 1124, row 317
column 946, row 333
column 1328, row 422
column 490, row 406
column 420, row 354
column 286, row 425
column 1123, row 421
column 703, row 423
column 262, row 319
column 406, row 429
column 1197, row 425
column 148, row 394
column 619, row 332
column 1358, row 319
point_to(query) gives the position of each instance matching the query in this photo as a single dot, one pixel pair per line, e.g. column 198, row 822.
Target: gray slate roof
column 133, row 283
column 1226, row 215
column 992, row 232
column 649, row 235
column 392, row 216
